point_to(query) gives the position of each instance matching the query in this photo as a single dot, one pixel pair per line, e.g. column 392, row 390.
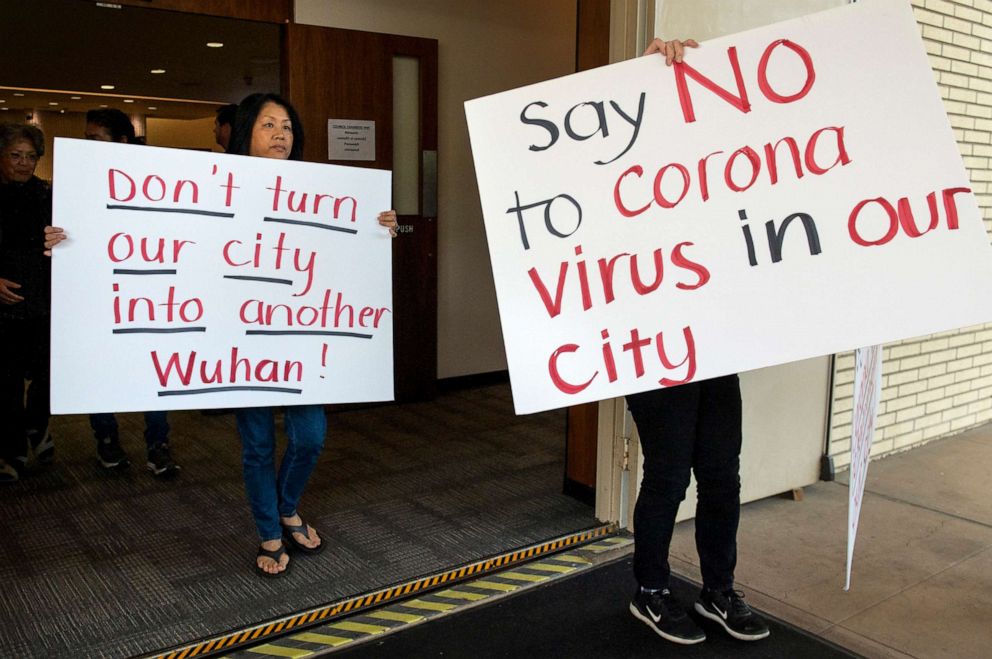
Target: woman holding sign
column 267, row 126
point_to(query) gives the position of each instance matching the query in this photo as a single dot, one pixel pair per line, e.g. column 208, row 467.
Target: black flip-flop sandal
column 289, row 529
column 276, row 555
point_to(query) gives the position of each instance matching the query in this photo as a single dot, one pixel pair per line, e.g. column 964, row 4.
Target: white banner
column 867, row 391
column 199, row 280
column 788, row 192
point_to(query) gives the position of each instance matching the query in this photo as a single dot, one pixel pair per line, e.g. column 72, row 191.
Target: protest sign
column 867, row 391
column 200, row 280
column 787, row 192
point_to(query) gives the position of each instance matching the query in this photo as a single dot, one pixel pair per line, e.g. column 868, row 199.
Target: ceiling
column 52, row 50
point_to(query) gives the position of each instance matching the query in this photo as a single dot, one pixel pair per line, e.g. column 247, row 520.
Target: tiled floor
column 922, row 578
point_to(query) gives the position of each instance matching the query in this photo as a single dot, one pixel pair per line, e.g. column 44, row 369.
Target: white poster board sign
column 200, row 280
column 867, row 391
column 350, row 139
column 788, row 192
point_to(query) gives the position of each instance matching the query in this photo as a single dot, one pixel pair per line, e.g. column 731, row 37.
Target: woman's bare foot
column 311, row 542
column 270, row 565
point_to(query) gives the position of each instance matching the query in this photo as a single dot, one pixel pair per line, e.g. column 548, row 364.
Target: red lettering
column 685, row 100
column 626, row 212
column 112, row 253
column 556, row 377
column 553, row 307
column 690, row 358
column 755, row 161
column 173, row 364
column 766, row 87
column 842, row 157
column 111, row 178
column 852, row 222
column 681, row 261
column 659, row 197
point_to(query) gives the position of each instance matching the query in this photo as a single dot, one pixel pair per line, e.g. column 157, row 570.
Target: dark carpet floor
column 582, row 617
column 97, row 564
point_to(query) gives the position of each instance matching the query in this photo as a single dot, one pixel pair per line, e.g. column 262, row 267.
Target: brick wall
column 941, row 384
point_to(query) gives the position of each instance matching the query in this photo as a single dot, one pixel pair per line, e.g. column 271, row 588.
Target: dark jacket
column 25, row 211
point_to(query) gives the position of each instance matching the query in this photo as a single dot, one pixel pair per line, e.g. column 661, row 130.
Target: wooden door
column 330, row 73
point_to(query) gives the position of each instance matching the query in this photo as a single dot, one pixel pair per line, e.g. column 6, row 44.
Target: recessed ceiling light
column 106, row 86
column 75, row 98
column 157, row 71
column 129, row 100
column 53, row 103
column 103, row 105
column 152, row 107
column 62, row 111
column 2, row 100
column 18, row 94
column 214, row 44
column 4, row 109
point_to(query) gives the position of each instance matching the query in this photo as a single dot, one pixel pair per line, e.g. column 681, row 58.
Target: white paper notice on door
column 350, row 139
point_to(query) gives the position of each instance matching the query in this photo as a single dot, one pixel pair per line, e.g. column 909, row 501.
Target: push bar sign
column 787, row 192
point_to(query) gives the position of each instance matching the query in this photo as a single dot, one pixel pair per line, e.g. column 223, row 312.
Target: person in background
column 25, row 301
column 112, row 125
column 223, row 124
column 694, row 427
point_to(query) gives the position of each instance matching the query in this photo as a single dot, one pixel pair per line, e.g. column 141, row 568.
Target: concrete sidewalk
column 922, row 578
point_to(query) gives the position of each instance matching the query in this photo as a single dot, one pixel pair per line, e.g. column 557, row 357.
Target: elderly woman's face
column 18, row 161
column 272, row 134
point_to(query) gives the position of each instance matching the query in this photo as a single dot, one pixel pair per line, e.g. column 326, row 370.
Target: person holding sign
column 694, row 427
column 25, row 317
column 267, row 126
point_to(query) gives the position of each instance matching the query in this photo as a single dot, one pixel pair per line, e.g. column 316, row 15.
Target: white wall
column 483, row 47
column 705, row 19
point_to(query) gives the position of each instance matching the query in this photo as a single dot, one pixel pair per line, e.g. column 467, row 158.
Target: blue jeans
column 271, row 496
column 156, row 427
column 697, row 427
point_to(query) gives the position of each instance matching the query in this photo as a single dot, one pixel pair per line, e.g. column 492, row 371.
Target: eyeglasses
column 21, row 156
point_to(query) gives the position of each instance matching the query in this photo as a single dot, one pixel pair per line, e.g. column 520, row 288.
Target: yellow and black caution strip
column 411, row 611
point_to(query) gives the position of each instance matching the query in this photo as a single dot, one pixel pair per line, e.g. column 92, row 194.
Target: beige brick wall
column 942, row 384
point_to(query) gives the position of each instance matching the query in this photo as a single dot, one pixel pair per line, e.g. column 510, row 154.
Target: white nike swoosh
column 655, row 617
column 723, row 614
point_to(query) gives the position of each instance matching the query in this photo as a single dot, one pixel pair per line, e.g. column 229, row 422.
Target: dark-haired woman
column 267, row 126
column 25, row 283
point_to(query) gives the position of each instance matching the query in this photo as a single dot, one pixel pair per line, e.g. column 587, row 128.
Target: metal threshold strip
column 232, row 641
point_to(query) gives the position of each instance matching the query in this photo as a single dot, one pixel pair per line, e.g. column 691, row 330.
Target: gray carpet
column 99, row 564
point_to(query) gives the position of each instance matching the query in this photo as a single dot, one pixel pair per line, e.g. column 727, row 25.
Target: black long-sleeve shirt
column 25, row 211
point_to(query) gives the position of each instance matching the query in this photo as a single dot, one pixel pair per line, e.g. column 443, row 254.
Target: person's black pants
column 24, row 355
column 694, row 426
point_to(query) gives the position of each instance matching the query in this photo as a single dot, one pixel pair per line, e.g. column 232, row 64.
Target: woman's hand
column 673, row 50
column 8, row 296
column 388, row 220
column 53, row 236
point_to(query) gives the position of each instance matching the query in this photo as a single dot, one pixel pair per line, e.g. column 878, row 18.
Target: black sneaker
column 110, row 454
column 160, row 462
column 659, row 611
column 43, row 446
column 732, row 613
